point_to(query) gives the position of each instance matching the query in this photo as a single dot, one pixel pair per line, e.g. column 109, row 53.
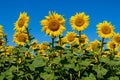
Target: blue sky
column 98, row 10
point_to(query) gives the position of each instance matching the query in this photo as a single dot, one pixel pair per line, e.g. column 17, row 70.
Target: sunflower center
column 106, row 30
column 21, row 22
column 118, row 39
column 113, row 46
column 71, row 38
column 21, row 38
column 1, row 42
column 79, row 22
column 82, row 40
column 54, row 25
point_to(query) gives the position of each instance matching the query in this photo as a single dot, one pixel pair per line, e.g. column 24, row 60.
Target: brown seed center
column 79, row 22
column 82, row 40
column 106, row 30
column 21, row 22
column 71, row 38
column 54, row 25
column 21, row 38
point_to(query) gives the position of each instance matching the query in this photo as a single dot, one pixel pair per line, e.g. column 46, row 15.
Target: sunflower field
column 67, row 57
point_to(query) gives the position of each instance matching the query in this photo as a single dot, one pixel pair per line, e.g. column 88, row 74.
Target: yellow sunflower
column 2, row 42
column 95, row 45
column 53, row 25
column 63, row 42
column 116, row 38
column 117, row 55
column 1, row 31
column 21, row 38
column 79, row 21
column 22, row 23
column 9, row 50
column 83, row 39
column 34, row 44
column 71, row 38
column 106, row 54
column 44, row 46
column 112, row 45
column 105, row 29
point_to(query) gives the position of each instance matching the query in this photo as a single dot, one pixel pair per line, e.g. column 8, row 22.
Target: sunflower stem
column 60, row 40
column 102, row 45
column 60, row 46
column 29, row 38
column 80, row 39
column 53, row 42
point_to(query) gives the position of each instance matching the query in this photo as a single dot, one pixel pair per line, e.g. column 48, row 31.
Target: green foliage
column 60, row 64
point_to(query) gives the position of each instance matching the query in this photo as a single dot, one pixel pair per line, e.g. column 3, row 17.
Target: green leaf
column 38, row 62
column 47, row 76
column 2, row 76
column 92, row 76
column 77, row 68
column 100, row 71
column 55, row 60
column 113, row 78
column 72, row 65
column 85, row 63
column 22, row 49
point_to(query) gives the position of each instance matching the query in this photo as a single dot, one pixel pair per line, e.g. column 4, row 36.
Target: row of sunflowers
column 67, row 57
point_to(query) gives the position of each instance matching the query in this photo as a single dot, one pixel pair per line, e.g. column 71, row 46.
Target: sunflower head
column 1, row 31
column 79, row 21
column 2, row 42
column 106, row 54
column 63, row 42
column 53, row 24
column 21, row 38
column 83, row 39
column 105, row 29
column 22, row 23
column 112, row 45
column 95, row 45
column 44, row 46
column 34, row 45
column 116, row 38
column 71, row 37
column 117, row 55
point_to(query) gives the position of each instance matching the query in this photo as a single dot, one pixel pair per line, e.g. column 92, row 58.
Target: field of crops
column 67, row 57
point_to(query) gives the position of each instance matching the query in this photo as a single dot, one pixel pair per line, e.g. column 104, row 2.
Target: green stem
column 60, row 46
column 70, row 76
column 53, row 42
column 79, row 74
column 79, row 38
column 29, row 38
column 102, row 45
column 60, row 40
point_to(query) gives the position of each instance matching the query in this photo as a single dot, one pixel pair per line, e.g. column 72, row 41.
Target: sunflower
column 9, row 50
column 44, row 46
column 1, row 31
column 95, row 45
column 20, row 38
column 117, row 55
column 116, row 38
column 106, row 54
column 83, row 39
column 71, row 37
column 105, row 29
column 2, row 42
column 79, row 21
column 34, row 45
column 22, row 23
column 112, row 45
column 53, row 25
column 63, row 42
